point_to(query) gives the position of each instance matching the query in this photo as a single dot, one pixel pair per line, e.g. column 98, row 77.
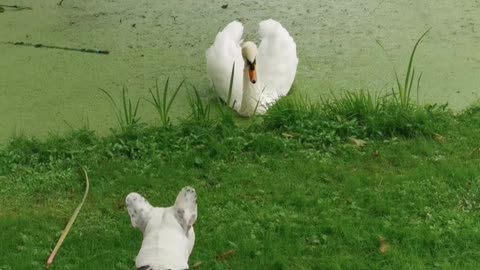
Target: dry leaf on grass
column 439, row 138
column 227, row 254
column 289, row 135
column 358, row 143
column 384, row 246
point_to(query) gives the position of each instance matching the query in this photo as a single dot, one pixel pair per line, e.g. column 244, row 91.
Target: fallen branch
column 17, row 7
column 57, row 47
column 59, row 3
column 51, row 258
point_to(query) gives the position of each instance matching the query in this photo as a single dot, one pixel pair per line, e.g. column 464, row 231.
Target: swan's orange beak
column 252, row 73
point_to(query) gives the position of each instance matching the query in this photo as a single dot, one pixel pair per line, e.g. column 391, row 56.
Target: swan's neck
column 250, row 97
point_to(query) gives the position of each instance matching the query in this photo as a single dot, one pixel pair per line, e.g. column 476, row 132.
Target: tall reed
column 127, row 114
column 162, row 103
column 402, row 94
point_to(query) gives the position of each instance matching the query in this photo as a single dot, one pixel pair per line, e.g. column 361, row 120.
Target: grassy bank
column 307, row 186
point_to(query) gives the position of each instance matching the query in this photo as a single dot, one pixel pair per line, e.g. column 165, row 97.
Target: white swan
column 261, row 76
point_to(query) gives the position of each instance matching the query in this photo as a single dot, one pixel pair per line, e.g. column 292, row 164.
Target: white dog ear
column 139, row 210
column 186, row 208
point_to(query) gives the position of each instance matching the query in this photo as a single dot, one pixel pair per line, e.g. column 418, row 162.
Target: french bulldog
column 168, row 235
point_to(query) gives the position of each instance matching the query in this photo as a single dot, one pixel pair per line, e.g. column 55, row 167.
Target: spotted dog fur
column 168, row 235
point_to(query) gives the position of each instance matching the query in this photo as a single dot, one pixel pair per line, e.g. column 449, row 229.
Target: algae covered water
column 48, row 90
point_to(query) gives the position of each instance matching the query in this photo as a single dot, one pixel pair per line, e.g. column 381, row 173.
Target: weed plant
column 361, row 113
column 200, row 110
column 227, row 112
column 127, row 114
column 162, row 102
column 402, row 95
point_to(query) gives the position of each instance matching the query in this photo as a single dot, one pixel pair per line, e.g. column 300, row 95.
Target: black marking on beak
column 251, row 65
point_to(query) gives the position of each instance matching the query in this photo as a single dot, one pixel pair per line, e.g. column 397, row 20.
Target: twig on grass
column 51, row 258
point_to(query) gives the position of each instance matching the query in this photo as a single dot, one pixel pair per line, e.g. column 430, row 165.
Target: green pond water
column 44, row 91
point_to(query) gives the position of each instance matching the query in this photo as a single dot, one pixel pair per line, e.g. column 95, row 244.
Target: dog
column 168, row 235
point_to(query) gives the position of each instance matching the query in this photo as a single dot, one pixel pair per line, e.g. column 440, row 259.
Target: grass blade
column 258, row 102
column 114, row 106
column 174, row 95
column 200, row 111
column 405, row 90
column 164, row 101
column 163, row 104
column 410, row 85
column 126, row 115
column 412, row 55
column 418, row 86
column 230, row 87
column 125, row 109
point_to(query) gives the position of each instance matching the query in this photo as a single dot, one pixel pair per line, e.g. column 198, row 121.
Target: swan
column 261, row 75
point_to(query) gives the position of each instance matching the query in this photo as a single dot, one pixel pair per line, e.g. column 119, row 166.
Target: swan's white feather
column 276, row 65
column 276, row 61
column 225, row 51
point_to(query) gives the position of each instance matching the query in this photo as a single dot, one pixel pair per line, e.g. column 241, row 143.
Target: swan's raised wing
column 276, row 61
column 220, row 58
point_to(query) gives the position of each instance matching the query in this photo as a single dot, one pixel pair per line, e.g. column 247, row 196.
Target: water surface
column 46, row 91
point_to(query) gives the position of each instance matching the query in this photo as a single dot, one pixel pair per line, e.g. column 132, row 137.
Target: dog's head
column 168, row 235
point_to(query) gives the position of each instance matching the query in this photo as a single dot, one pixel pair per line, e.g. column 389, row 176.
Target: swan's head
column 249, row 52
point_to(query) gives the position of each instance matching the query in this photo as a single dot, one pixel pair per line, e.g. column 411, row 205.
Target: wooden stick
column 39, row 45
column 51, row 258
column 16, row 7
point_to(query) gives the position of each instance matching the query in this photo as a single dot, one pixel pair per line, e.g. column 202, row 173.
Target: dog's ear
column 186, row 208
column 139, row 210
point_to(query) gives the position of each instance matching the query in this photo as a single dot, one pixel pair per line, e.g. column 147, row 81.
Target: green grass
column 288, row 191
column 402, row 95
column 163, row 103
column 200, row 109
column 306, row 186
column 127, row 114
column 226, row 113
